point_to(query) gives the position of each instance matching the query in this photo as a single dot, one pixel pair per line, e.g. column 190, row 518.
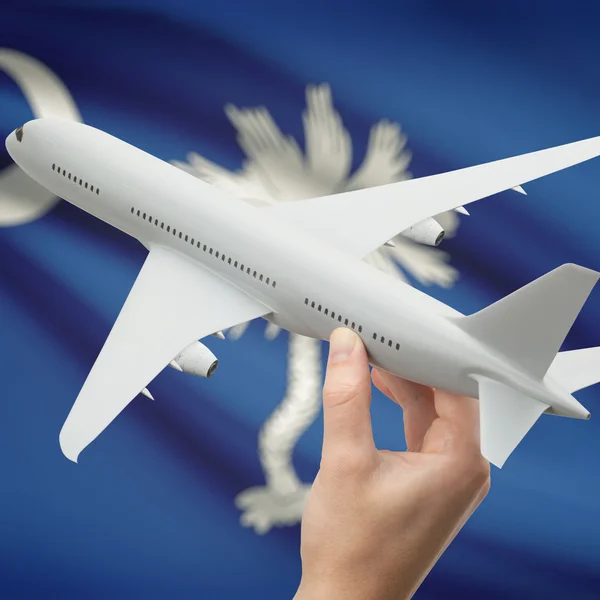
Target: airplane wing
column 173, row 302
column 361, row 221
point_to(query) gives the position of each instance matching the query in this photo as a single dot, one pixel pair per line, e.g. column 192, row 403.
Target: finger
column 458, row 426
column 347, row 399
column 463, row 413
column 417, row 402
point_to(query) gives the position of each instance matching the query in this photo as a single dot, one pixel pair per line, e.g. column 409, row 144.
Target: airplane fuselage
column 311, row 287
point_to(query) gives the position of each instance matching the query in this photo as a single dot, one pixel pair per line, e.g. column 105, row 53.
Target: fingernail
column 342, row 344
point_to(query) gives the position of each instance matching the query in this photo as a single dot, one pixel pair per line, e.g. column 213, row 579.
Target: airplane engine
column 196, row 359
column 428, row 232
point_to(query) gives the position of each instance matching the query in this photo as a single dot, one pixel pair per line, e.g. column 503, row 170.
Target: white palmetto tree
column 276, row 170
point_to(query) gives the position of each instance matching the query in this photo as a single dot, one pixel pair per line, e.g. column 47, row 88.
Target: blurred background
column 153, row 509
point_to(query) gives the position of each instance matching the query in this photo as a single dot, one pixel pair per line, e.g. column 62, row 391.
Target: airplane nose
column 13, row 141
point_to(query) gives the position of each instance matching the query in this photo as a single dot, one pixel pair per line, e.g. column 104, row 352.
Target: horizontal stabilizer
column 576, row 369
column 505, row 417
column 529, row 325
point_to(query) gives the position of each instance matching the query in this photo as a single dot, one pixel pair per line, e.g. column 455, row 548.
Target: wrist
column 347, row 589
column 321, row 590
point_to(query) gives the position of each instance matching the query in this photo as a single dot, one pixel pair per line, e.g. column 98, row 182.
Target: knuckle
column 486, row 484
column 346, row 463
column 474, row 471
column 480, row 470
column 339, row 393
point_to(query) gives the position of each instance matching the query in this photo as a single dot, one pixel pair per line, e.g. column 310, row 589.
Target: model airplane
column 215, row 261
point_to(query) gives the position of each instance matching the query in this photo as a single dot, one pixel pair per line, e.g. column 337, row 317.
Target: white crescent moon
column 21, row 199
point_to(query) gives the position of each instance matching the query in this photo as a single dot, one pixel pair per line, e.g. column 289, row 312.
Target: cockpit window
column 19, row 133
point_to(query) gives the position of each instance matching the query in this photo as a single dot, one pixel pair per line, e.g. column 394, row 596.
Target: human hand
column 376, row 521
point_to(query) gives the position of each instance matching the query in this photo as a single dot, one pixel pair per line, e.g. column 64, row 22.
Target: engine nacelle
column 196, row 359
column 428, row 232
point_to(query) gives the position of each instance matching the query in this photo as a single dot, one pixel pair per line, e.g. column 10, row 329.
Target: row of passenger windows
column 75, row 179
column 226, row 259
column 332, row 314
column 341, row 319
column 390, row 343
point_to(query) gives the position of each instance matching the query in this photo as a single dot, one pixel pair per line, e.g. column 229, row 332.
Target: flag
column 150, row 510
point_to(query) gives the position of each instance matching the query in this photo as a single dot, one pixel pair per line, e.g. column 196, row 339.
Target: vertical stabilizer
column 529, row 325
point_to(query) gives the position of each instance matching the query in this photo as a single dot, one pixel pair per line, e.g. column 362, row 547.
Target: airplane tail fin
column 576, row 369
column 529, row 325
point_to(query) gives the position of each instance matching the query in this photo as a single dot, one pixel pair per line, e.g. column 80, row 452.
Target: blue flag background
column 148, row 512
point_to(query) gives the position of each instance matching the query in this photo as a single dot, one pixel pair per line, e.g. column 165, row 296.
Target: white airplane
column 215, row 261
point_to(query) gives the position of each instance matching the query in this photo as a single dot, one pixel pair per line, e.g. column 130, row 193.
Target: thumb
column 347, row 400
